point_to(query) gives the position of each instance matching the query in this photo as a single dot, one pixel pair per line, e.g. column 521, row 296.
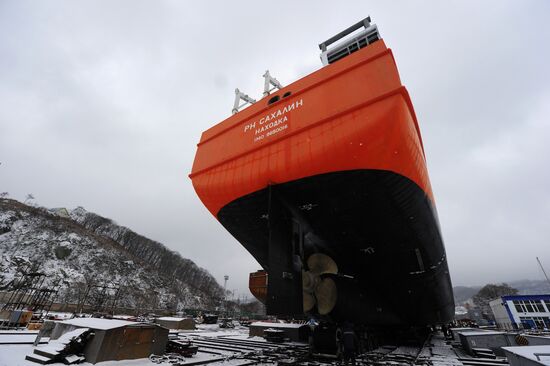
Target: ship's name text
column 272, row 123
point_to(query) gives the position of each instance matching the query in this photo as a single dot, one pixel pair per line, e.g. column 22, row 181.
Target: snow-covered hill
column 86, row 248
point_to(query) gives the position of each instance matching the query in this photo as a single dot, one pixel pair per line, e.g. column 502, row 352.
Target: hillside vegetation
column 85, row 249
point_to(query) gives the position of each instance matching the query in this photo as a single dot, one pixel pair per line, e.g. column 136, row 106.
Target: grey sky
column 102, row 104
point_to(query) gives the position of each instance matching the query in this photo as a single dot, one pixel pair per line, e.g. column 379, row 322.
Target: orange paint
column 353, row 114
column 257, row 283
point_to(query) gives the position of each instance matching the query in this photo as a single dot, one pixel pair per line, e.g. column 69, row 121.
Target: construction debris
column 183, row 348
column 170, row 322
column 293, row 331
column 226, row 323
column 105, row 340
column 68, row 348
column 209, row 319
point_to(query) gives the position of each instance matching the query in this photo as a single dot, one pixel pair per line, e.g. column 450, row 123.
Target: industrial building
column 170, row 322
column 105, row 340
column 522, row 311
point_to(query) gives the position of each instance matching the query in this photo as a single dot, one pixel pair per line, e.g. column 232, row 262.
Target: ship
column 324, row 181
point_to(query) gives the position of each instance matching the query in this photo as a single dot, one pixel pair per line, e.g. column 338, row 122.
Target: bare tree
column 4, row 194
column 490, row 292
column 29, row 197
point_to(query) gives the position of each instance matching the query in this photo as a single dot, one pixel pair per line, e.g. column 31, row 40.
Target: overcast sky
column 102, row 104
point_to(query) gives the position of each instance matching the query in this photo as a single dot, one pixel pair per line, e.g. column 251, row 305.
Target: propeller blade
column 326, row 294
column 320, row 263
column 308, row 281
column 309, row 301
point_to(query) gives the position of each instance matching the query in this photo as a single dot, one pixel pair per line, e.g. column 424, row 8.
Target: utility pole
column 543, row 271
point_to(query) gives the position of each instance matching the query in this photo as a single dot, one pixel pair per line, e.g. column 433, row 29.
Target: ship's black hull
column 378, row 226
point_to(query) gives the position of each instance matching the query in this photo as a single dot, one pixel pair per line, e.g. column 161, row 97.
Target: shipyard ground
column 233, row 347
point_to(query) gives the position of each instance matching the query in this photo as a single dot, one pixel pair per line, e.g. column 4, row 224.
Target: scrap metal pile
column 244, row 352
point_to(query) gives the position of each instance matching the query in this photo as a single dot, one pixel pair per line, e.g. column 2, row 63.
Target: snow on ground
column 214, row 330
column 17, row 338
column 277, row 325
column 14, row 355
column 11, row 355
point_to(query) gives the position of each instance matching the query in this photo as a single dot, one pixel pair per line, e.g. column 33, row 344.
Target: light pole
column 225, row 278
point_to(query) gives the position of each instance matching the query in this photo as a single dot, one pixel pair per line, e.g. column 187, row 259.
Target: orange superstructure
column 353, row 114
column 257, row 283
